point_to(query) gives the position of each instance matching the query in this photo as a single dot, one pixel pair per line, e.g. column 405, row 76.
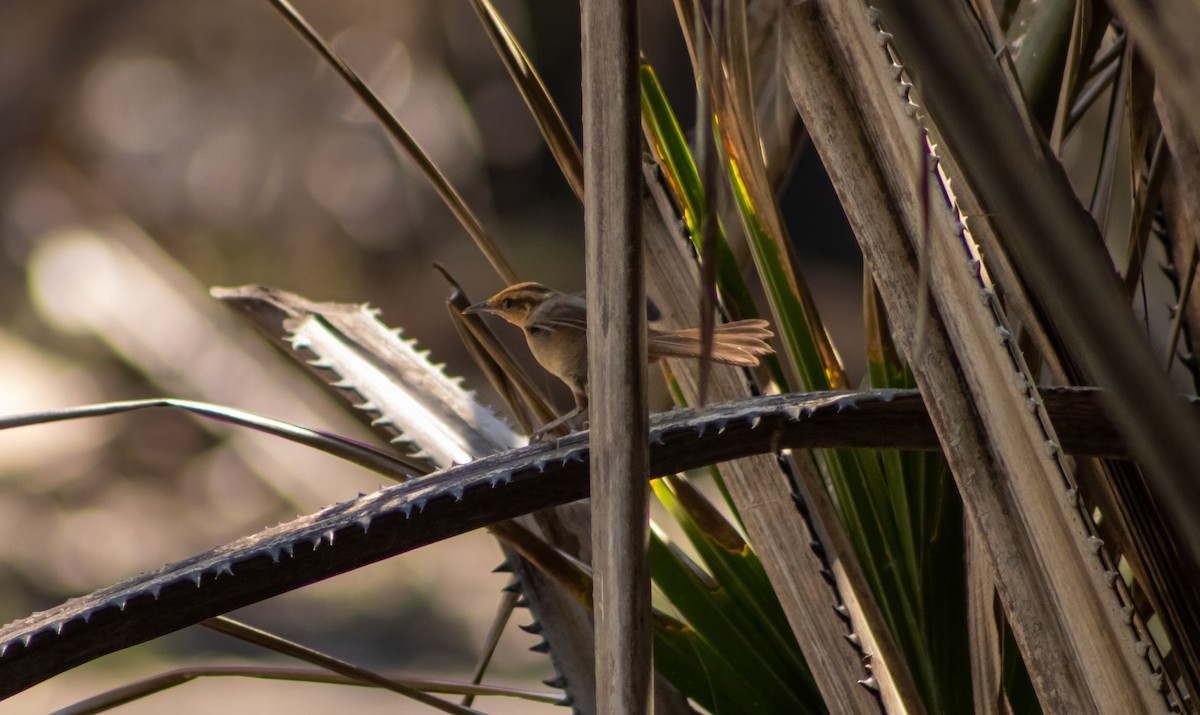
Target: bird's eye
column 506, row 303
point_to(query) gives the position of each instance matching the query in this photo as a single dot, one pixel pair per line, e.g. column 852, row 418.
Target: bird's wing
column 570, row 312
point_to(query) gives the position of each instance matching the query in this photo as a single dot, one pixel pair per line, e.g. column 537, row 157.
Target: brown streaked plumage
column 555, row 326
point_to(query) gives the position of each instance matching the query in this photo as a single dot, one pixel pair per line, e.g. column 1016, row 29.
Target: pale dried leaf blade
column 410, row 394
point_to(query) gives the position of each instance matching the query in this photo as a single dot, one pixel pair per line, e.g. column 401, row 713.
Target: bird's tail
column 737, row 343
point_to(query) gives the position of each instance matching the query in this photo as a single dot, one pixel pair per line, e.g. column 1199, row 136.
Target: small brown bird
column 555, row 326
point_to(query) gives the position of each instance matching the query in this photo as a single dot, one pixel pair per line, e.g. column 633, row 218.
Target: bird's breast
column 562, row 351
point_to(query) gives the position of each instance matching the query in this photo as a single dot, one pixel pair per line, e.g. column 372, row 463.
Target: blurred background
column 151, row 150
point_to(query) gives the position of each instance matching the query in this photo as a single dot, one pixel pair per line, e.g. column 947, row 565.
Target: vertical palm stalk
column 616, row 337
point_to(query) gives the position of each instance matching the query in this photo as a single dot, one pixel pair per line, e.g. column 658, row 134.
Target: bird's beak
column 478, row 308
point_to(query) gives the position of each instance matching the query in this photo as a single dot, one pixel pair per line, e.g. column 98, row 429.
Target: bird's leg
column 543, row 432
column 581, row 405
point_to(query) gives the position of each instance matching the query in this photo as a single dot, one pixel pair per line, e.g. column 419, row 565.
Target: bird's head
column 515, row 303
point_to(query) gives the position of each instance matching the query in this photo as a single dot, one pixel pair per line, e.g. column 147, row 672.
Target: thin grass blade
column 388, row 464
column 131, row 692
column 406, row 143
column 241, row 631
column 504, row 612
column 545, row 112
